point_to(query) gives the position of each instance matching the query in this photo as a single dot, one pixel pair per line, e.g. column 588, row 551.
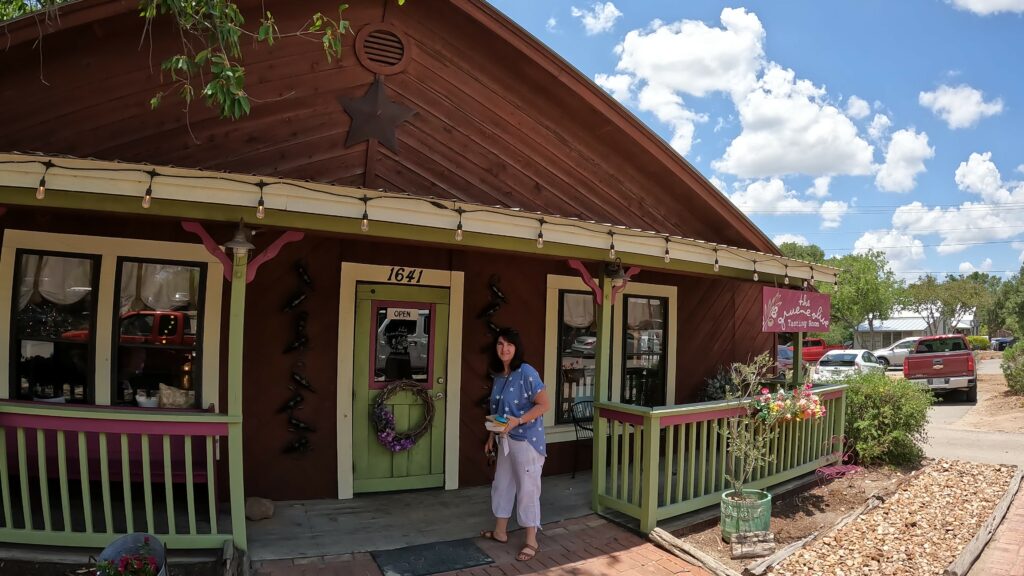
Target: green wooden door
column 401, row 333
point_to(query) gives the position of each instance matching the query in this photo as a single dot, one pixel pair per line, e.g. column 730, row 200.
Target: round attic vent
column 382, row 49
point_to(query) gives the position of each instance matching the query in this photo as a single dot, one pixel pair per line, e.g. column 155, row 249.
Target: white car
column 838, row 364
column 893, row 356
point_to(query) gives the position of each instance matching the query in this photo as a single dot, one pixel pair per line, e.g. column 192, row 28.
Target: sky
column 850, row 124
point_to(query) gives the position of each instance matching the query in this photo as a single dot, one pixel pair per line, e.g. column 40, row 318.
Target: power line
column 928, row 245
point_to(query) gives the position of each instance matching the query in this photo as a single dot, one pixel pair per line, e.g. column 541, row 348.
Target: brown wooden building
column 483, row 130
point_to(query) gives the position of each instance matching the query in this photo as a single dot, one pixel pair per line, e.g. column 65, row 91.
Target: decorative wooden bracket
column 633, row 271
column 271, row 251
column 588, row 280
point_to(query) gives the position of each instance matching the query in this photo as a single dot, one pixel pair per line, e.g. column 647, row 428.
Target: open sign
column 403, row 313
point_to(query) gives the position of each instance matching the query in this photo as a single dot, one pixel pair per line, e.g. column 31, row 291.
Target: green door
column 401, row 334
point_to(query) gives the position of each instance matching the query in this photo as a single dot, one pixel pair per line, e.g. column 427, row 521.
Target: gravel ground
column 919, row 530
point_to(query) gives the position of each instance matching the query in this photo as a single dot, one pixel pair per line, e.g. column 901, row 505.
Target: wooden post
column 236, row 331
column 798, row 360
column 602, row 384
column 649, row 473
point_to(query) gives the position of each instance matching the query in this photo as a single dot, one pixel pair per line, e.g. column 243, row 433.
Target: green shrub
column 1013, row 368
column 978, row 342
column 886, row 419
column 720, row 386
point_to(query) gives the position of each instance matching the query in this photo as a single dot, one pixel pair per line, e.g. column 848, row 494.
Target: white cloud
column 966, row 267
column 820, row 188
column 980, row 176
column 879, row 127
column 902, row 250
column 600, row 18
column 987, row 7
column 960, row 106
column 857, row 108
column 832, row 213
column 668, row 107
column 789, row 128
column 794, row 238
column 1020, row 168
column 551, row 24
column 772, row 197
column 618, row 85
column 904, row 160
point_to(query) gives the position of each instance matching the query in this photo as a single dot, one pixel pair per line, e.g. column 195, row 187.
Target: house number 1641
column 406, row 275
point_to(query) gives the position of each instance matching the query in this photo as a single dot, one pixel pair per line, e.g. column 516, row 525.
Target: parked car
column 814, row 348
column 1003, row 343
column 894, row 355
column 838, row 364
column 587, row 345
column 171, row 328
column 943, row 363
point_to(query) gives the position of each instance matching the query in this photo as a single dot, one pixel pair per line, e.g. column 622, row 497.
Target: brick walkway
column 582, row 546
column 1004, row 554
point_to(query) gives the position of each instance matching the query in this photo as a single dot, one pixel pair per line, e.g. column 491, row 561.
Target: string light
column 716, row 259
column 261, row 207
column 611, row 249
column 540, row 234
column 364, row 225
column 41, row 191
column 786, row 279
column 147, row 199
column 668, row 256
column 458, row 229
column 755, row 270
column 837, row 280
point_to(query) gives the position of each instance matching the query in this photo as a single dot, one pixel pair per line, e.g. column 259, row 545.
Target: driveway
column 950, row 437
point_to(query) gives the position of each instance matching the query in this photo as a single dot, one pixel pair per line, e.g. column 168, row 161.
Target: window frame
column 198, row 377
column 556, row 282
column 108, row 249
column 14, row 349
column 623, row 343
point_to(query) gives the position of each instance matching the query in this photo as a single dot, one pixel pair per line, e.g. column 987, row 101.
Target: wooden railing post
column 649, row 473
column 602, row 384
column 236, row 330
column 798, row 360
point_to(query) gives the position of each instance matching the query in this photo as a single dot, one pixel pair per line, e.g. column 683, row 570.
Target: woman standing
column 518, row 394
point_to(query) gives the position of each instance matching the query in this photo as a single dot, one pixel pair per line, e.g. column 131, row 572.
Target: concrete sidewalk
column 589, row 546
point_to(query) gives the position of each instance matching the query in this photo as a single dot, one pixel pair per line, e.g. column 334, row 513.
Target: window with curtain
column 644, row 350
column 53, row 332
column 157, row 354
column 577, row 344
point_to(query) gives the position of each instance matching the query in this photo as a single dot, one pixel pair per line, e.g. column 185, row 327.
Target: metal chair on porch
column 583, row 422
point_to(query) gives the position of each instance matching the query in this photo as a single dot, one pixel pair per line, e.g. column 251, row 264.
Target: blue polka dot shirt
column 513, row 395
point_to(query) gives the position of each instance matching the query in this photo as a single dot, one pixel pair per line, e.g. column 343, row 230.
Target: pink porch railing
column 81, row 476
column 666, row 461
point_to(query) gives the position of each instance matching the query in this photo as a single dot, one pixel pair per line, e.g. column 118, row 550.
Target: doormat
column 435, row 558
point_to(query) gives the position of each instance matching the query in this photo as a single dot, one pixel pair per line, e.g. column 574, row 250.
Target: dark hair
column 511, row 336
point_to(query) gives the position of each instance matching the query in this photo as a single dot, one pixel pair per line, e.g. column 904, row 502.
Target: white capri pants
column 517, row 483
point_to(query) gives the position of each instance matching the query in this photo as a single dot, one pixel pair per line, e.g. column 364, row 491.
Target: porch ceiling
column 120, row 187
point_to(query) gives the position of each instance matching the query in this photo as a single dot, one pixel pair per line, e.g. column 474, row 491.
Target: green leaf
column 155, row 101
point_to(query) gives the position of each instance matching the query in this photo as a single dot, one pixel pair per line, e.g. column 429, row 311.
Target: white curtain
column 55, row 278
column 156, row 286
column 641, row 312
column 578, row 310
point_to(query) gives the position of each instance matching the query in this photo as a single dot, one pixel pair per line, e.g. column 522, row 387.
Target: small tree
column 748, row 437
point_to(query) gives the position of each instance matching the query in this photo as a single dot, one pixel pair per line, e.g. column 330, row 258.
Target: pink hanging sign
column 794, row 311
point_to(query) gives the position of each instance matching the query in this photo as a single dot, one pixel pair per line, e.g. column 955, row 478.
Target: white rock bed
column 918, row 531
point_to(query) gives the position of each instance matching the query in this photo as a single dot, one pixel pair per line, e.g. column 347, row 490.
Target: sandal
column 527, row 553
column 489, row 535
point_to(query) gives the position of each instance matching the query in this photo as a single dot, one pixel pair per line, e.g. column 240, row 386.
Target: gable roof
column 501, row 119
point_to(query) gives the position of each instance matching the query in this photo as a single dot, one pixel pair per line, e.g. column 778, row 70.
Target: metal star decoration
column 374, row 117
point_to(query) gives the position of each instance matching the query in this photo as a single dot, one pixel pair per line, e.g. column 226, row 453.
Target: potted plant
column 749, row 436
column 136, row 554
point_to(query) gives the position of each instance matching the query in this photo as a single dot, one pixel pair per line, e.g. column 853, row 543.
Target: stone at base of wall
column 258, row 508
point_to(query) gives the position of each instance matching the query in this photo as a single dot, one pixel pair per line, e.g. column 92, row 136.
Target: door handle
column 440, row 380
column 439, row 396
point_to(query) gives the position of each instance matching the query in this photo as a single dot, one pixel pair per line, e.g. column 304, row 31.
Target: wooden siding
column 500, row 120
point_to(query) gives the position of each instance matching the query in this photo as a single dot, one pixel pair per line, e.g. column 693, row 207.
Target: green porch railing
column 666, row 461
column 81, row 476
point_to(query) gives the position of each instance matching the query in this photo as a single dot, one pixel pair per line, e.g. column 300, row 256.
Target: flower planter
column 752, row 514
column 137, row 544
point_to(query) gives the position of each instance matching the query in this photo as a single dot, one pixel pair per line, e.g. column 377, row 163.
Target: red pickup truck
column 943, row 363
column 151, row 327
column 815, row 348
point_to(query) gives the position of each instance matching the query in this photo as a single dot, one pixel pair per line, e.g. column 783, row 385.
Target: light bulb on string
column 786, row 279
column 611, row 248
column 755, row 270
column 261, row 206
column 147, row 198
column 458, row 229
column 540, row 235
column 668, row 255
column 716, row 259
column 364, row 224
column 41, row 191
